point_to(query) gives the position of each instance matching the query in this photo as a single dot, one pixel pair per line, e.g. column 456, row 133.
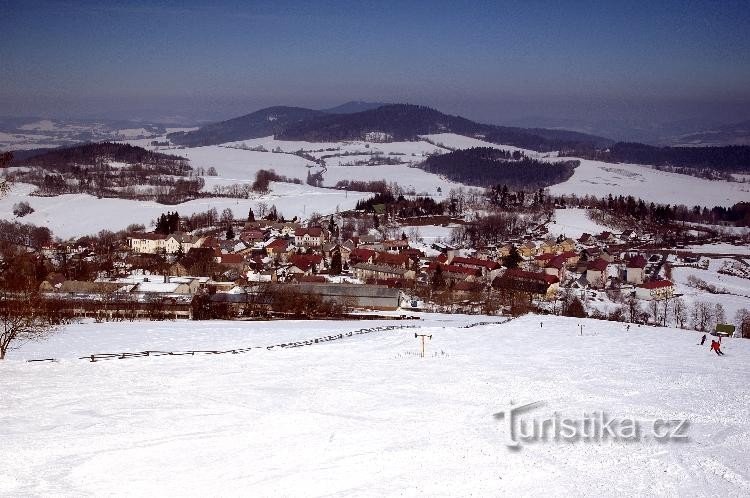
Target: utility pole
column 422, row 336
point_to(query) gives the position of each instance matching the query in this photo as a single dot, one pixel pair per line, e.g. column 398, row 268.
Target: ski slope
column 365, row 416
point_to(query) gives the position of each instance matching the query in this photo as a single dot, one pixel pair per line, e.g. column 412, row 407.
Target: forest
column 698, row 161
column 485, row 167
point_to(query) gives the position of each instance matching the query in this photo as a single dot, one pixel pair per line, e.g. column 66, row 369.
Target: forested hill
column 389, row 122
column 394, row 122
column 485, row 167
column 729, row 159
column 96, row 153
column 262, row 123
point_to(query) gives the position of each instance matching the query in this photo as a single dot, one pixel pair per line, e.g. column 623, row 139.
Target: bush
column 22, row 209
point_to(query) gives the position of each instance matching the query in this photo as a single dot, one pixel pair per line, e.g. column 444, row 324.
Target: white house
column 655, row 289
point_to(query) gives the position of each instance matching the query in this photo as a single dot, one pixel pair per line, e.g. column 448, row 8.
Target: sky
column 499, row 62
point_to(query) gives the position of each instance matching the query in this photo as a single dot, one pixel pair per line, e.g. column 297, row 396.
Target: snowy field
column 573, row 223
column 722, row 248
column 74, row 215
column 735, row 290
column 365, row 416
column 601, row 179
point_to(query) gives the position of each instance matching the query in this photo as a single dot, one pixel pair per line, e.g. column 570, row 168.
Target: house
column 236, row 261
column 527, row 249
column 147, row 243
column 489, row 269
column 456, row 273
column 252, row 236
column 366, row 271
column 628, row 236
column 548, row 247
column 533, row 283
column 396, row 245
column 635, row 270
column 556, row 266
column 571, row 258
column 567, row 245
column 392, row 260
column 180, row 241
column 277, row 247
column 606, row 238
column 655, row 290
column 309, row 237
column 585, row 239
column 306, row 263
column 596, row 273
column 542, row 260
column 362, row 256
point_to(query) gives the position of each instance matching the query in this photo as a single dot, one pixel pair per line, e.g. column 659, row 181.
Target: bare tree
column 742, row 319
column 679, row 309
column 702, row 315
column 22, row 319
column 719, row 314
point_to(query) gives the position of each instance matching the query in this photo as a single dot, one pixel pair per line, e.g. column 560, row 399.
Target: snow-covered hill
column 365, row 416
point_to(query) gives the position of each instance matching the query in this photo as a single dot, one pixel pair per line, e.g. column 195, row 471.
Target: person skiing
column 703, row 339
column 716, row 347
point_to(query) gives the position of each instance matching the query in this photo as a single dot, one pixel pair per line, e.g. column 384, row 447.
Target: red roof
column 657, row 284
column 557, row 262
column 475, row 272
column 569, row 254
column 278, row 244
column 313, row 232
column 530, row 275
column 359, row 255
column 385, row 258
column 637, row 262
column 482, row 263
column 306, row 261
column 232, row 259
column 598, row 265
column 544, row 257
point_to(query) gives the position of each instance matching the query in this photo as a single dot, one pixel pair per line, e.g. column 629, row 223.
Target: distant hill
column 262, row 123
column 354, row 106
column 406, row 122
column 385, row 123
column 733, row 134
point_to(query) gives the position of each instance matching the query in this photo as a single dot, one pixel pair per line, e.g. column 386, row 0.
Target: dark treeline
column 728, row 159
column 400, row 206
column 485, row 166
column 639, row 210
column 64, row 159
column 376, row 186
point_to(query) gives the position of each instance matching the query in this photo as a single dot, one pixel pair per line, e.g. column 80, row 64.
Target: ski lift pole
column 422, row 336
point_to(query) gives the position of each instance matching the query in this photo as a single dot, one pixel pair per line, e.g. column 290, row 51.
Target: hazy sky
column 493, row 61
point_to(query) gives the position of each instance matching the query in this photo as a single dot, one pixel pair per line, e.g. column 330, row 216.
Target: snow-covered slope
column 601, row 179
column 365, row 416
column 79, row 214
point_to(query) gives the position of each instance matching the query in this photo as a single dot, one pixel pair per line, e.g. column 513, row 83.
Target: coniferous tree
column 513, row 258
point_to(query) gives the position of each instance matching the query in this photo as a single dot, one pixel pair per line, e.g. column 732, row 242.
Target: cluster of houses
column 314, row 260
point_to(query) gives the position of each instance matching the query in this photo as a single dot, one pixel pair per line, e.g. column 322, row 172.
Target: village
column 324, row 268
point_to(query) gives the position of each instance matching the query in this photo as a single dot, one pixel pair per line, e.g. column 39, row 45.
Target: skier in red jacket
column 716, row 347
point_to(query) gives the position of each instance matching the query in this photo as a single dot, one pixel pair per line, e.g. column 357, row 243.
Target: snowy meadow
column 365, row 414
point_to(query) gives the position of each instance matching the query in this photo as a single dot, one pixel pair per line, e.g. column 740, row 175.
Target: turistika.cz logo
column 595, row 426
